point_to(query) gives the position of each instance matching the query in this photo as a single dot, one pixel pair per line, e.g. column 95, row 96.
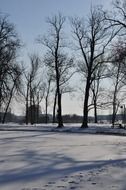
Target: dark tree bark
column 95, row 112
column 47, row 97
column 54, row 108
column 27, row 105
column 59, row 112
column 85, row 110
column 8, row 104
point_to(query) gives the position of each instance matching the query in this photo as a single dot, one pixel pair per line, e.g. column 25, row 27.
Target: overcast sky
column 29, row 18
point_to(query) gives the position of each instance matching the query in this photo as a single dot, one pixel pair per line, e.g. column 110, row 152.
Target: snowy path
column 51, row 161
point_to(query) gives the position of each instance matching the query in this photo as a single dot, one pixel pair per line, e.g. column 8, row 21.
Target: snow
column 69, row 128
column 45, row 158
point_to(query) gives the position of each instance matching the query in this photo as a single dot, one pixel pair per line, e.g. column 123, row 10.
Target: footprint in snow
column 89, row 179
column 72, row 187
column 64, row 180
column 46, row 185
column 113, row 186
column 97, row 173
column 80, row 176
column 94, row 183
column 35, row 188
column 73, row 182
column 51, row 182
column 60, row 186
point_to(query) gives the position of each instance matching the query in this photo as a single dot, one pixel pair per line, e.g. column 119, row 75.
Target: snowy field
column 43, row 160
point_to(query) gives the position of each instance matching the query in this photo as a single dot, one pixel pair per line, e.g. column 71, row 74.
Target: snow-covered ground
column 69, row 128
column 43, row 160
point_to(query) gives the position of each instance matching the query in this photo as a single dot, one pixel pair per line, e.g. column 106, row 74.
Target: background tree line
column 99, row 55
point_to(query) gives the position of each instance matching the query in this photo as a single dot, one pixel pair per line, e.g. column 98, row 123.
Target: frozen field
column 51, row 161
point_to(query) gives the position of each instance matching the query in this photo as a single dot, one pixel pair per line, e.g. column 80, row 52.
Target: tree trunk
column 34, row 114
column 27, row 115
column 54, row 108
column 85, row 110
column 46, row 119
column 0, row 99
column 115, row 96
column 0, row 108
column 60, row 120
column 113, row 118
column 38, row 109
column 8, row 104
column 59, row 111
column 114, row 109
column 95, row 112
column 31, row 105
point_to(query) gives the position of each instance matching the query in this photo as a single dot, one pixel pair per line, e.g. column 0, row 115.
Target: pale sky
column 29, row 15
column 29, row 18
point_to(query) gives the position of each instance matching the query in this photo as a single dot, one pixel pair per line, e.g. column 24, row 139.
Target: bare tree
column 33, row 91
column 98, row 94
column 56, row 57
column 93, row 37
column 118, row 76
column 117, row 18
column 9, row 44
column 14, row 88
column 66, row 72
column 96, row 89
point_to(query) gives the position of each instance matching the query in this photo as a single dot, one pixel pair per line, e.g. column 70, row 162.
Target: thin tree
column 33, row 91
column 47, row 92
column 54, row 43
column 66, row 72
column 118, row 69
column 97, row 87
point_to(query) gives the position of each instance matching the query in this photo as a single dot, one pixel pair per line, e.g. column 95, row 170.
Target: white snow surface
column 45, row 158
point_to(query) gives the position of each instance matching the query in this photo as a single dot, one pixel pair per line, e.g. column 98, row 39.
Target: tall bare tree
column 93, row 37
column 118, row 71
column 9, row 44
column 56, row 56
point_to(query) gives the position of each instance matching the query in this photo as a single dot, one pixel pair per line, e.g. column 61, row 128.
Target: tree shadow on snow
column 54, row 165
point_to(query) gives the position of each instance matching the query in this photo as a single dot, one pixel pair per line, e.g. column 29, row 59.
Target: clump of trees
column 33, row 91
column 10, row 70
column 99, row 40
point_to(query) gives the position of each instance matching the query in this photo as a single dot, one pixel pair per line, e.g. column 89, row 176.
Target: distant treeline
column 66, row 118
